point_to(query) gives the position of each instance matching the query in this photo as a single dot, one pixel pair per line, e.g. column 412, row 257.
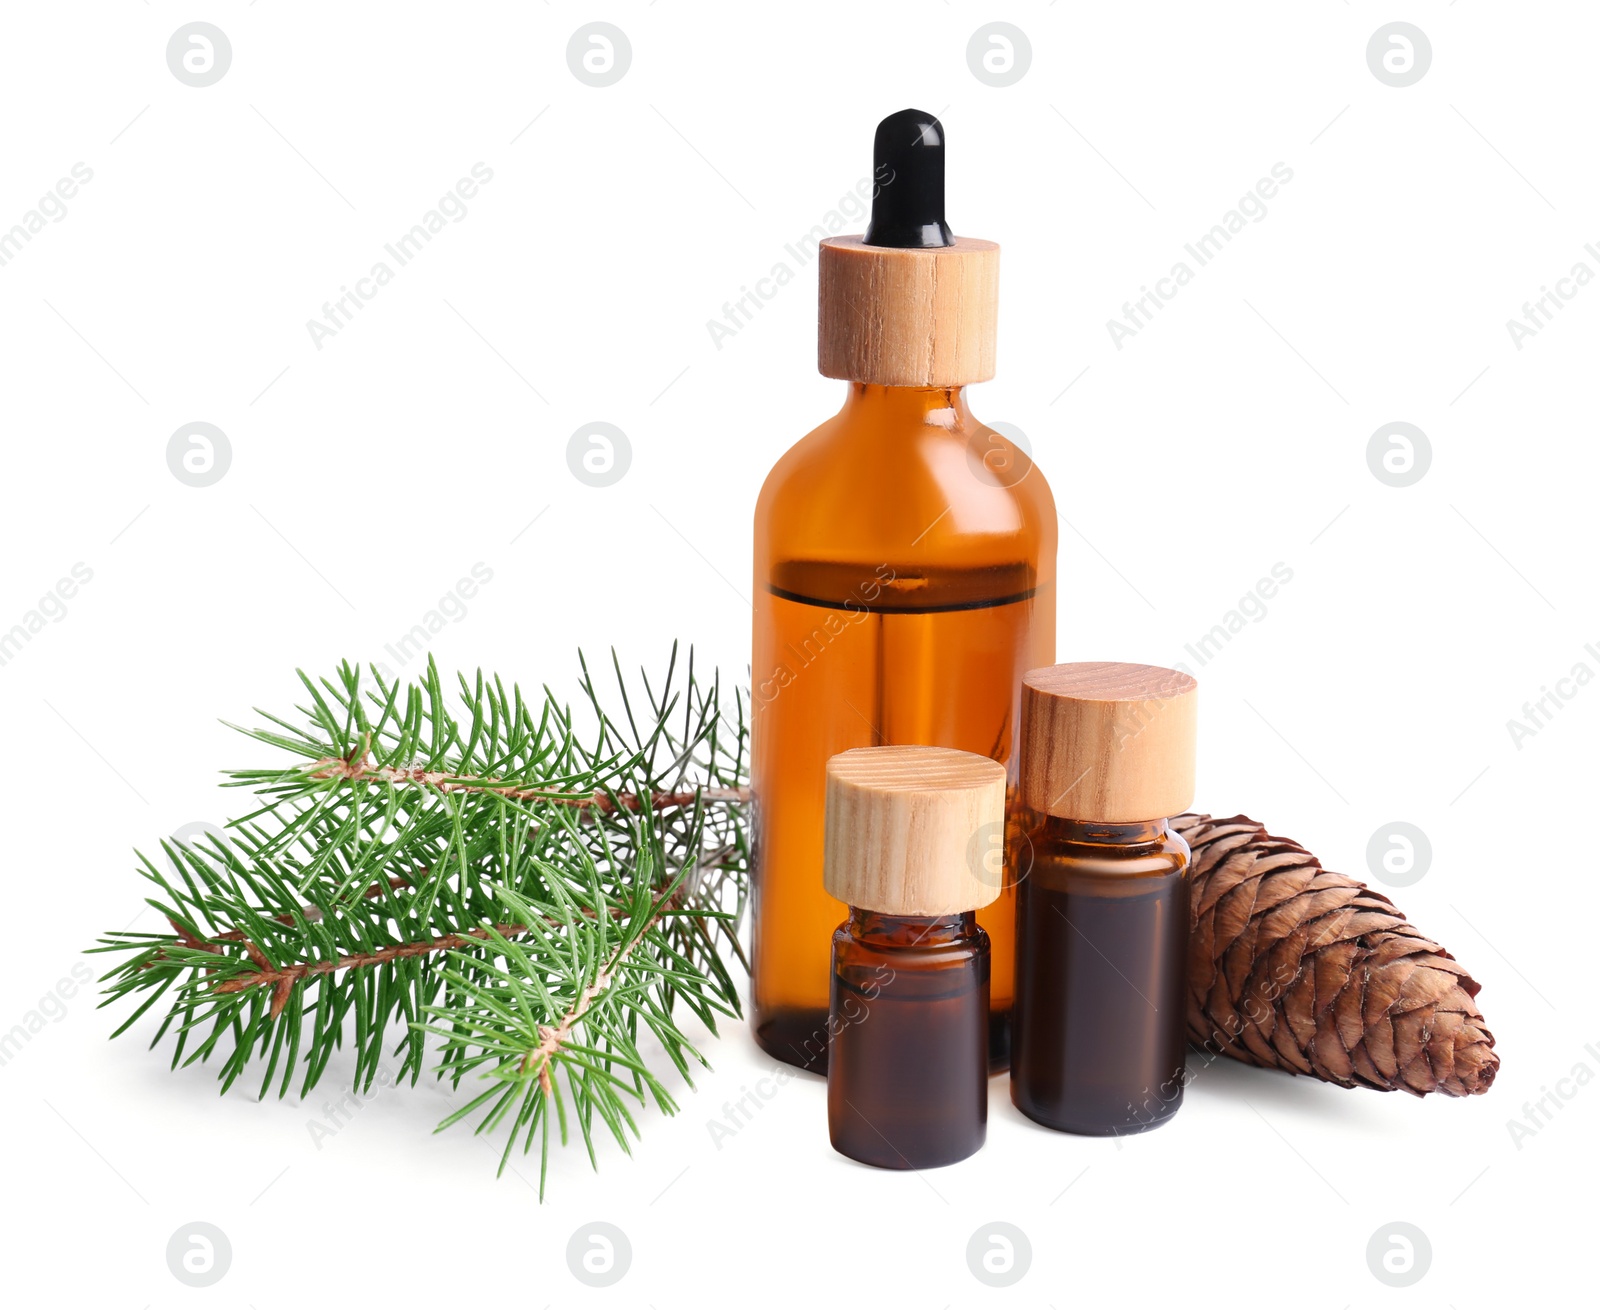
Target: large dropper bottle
column 904, row 570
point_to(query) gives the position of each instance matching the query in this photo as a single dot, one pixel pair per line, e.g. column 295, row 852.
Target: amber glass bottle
column 904, row 581
column 1098, row 1036
column 905, row 847
column 1103, row 918
column 908, row 1078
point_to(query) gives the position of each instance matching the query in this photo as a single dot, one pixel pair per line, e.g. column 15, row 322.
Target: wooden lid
column 1109, row 743
column 914, row 830
column 898, row 317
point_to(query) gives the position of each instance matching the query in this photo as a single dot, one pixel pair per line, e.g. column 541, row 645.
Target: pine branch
column 537, row 894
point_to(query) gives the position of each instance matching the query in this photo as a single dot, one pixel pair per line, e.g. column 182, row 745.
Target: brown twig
column 290, row 974
column 353, row 768
column 553, row 1037
column 294, row 973
column 284, row 980
column 310, row 913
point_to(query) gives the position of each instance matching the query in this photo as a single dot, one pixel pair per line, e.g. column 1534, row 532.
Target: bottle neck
column 1082, row 832
column 938, row 407
column 875, row 929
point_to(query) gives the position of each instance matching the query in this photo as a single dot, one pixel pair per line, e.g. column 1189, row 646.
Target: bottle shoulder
column 852, row 951
column 906, row 491
column 1055, row 863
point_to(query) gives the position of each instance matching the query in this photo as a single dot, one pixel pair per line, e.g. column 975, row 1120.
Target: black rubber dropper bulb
column 908, row 168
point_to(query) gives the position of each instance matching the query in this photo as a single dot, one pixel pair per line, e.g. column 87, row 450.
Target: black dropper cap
column 908, row 168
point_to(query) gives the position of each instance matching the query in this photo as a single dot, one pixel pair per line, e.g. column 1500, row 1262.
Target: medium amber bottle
column 904, row 570
column 908, row 846
column 1098, row 1039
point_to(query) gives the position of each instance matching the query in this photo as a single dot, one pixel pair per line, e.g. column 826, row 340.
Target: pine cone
column 1294, row 967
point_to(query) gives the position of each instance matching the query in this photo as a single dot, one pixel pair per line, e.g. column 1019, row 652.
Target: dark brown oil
column 1098, row 1038
column 909, row 1014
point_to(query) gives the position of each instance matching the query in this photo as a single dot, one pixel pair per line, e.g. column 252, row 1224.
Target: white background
column 367, row 476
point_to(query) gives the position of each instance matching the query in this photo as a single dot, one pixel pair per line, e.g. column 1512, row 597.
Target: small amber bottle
column 1103, row 904
column 911, row 845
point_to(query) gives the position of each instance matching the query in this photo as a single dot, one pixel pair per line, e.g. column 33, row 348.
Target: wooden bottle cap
column 907, row 317
column 1108, row 743
column 913, row 830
